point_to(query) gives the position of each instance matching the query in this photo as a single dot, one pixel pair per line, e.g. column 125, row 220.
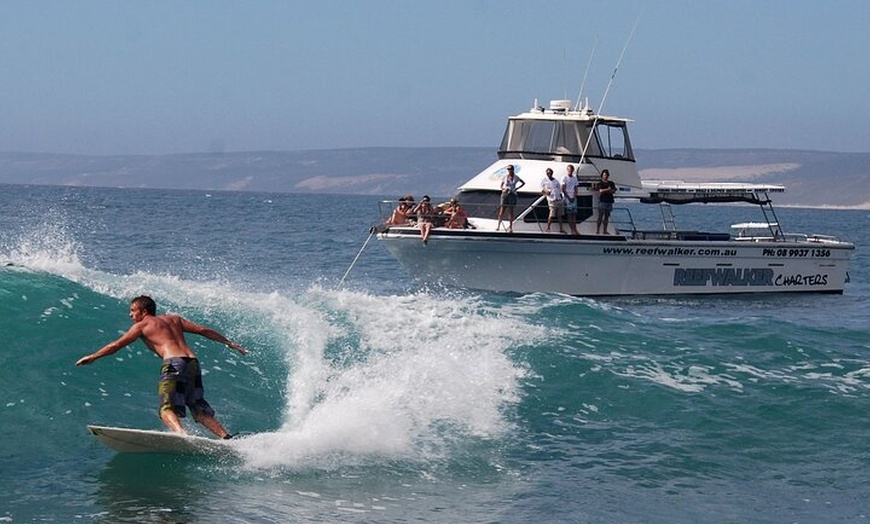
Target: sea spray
column 48, row 246
column 402, row 378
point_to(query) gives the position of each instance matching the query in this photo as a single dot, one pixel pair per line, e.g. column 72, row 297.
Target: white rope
column 371, row 234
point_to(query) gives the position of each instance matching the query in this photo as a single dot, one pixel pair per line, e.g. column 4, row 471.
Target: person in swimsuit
column 402, row 214
column 180, row 383
column 457, row 217
column 425, row 217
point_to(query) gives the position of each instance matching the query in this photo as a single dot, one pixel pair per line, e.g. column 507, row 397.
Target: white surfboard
column 126, row 440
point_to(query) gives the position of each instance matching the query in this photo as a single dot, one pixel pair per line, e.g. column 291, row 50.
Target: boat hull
column 598, row 266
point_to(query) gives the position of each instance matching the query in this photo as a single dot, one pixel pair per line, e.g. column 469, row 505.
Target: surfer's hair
column 145, row 302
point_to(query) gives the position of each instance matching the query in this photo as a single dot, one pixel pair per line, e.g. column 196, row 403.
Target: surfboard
column 127, row 440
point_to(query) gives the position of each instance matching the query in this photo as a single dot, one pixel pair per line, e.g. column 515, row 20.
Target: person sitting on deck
column 402, row 214
column 425, row 217
column 457, row 217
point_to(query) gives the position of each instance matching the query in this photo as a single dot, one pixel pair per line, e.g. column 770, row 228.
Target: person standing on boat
column 509, row 187
column 606, row 190
column 553, row 189
column 569, row 189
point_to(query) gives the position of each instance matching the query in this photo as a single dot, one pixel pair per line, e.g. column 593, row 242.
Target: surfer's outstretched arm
column 211, row 334
column 126, row 339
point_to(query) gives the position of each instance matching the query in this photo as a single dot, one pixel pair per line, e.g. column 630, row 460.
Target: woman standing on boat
column 509, row 187
column 606, row 189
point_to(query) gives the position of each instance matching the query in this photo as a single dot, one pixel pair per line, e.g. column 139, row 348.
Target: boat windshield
column 563, row 140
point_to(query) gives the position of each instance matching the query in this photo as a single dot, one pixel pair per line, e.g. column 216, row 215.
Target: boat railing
column 623, row 222
column 385, row 210
column 822, row 239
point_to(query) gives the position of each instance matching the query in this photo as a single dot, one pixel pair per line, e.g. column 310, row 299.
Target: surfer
column 180, row 376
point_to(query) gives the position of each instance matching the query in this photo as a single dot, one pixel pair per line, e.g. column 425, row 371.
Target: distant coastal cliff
column 812, row 178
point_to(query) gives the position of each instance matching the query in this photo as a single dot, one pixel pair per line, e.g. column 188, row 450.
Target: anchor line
column 346, row 273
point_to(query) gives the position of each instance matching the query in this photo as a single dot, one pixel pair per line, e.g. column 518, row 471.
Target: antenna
column 565, row 74
column 585, row 74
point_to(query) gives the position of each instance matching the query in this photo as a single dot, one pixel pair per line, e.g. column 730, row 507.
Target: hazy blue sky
column 153, row 77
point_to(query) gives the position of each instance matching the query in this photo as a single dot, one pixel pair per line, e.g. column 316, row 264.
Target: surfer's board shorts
column 180, row 386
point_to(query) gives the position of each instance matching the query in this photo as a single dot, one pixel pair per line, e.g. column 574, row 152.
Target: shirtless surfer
column 180, row 377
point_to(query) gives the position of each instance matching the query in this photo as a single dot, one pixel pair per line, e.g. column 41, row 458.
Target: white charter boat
column 625, row 259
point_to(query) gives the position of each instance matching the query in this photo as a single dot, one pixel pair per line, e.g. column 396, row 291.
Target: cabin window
column 613, row 140
column 565, row 140
column 543, row 139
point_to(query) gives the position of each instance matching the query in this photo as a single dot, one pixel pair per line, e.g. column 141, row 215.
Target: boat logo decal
column 744, row 277
column 501, row 172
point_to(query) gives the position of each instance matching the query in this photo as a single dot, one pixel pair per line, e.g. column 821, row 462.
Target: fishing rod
column 607, row 91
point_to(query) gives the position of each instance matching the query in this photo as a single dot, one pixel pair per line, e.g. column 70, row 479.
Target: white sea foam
column 691, row 379
column 48, row 247
column 423, row 371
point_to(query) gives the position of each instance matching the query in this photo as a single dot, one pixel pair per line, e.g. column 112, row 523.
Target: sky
column 120, row 77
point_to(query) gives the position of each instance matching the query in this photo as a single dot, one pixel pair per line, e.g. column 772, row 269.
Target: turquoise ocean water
column 382, row 401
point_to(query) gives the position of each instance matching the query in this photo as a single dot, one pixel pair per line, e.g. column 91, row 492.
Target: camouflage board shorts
column 180, row 386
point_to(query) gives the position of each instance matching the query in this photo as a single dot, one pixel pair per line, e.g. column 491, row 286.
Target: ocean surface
column 378, row 400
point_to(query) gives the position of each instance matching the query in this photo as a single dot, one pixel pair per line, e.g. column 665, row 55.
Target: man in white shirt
column 553, row 189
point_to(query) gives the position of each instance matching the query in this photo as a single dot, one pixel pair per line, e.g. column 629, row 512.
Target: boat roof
column 564, row 110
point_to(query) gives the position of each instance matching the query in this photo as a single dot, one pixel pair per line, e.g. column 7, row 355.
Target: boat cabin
column 565, row 134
